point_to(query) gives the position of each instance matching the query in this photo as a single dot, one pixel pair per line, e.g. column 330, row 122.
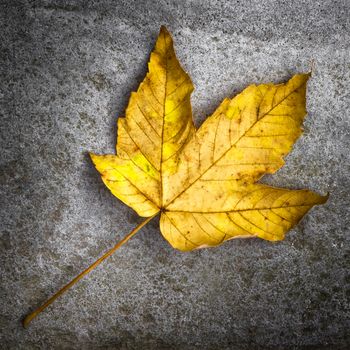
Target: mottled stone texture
column 67, row 69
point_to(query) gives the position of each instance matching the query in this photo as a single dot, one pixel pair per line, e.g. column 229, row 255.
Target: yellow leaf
column 204, row 182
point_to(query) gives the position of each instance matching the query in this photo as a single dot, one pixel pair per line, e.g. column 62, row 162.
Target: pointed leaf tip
column 164, row 30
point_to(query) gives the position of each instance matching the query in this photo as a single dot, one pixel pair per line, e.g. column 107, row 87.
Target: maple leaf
column 204, row 182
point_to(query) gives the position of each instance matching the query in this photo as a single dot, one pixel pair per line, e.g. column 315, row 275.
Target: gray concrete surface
column 67, row 69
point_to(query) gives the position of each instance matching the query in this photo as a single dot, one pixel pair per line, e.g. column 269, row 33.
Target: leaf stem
column 37, row 311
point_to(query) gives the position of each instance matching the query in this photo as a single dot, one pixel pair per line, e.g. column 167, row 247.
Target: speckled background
column 66, row 71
